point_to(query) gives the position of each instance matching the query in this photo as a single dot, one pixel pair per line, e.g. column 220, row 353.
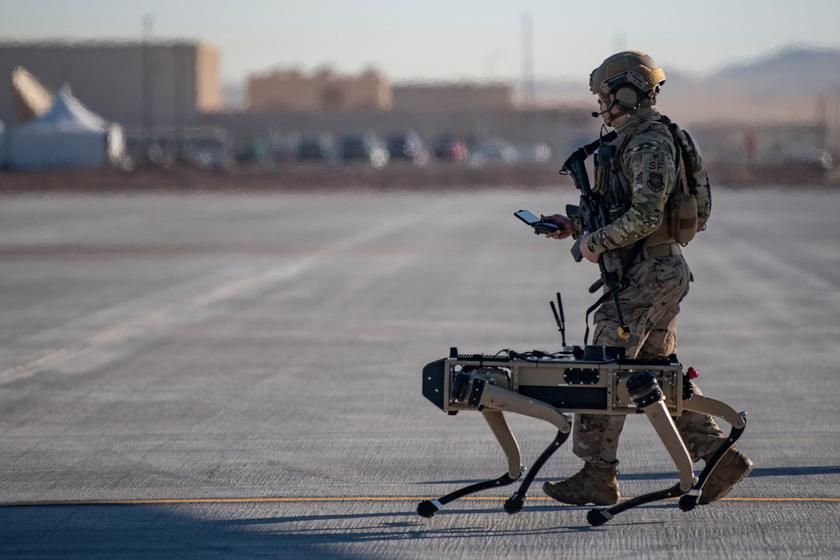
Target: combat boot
column 594, row 483
column 733, row 467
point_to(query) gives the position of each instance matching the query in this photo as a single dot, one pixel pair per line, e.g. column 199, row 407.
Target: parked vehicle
column 364, row 147
column 449, row 147
column 495, row 150
column 255, row 152
column 816, row 159
column 537, row 153
column 208, row 158
column 316, row 147
column 284, row 147
column 408, row 145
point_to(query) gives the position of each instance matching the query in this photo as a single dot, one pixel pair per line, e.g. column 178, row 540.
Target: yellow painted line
column 825, row 500
column 345, row 499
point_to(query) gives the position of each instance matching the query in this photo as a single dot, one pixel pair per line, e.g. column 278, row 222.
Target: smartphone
column 540, row 227
column 527, row 217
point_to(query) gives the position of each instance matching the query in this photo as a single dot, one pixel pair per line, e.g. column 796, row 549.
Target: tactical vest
column 682, row 215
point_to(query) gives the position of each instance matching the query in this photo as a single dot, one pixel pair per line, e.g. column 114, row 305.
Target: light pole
column 146, row 89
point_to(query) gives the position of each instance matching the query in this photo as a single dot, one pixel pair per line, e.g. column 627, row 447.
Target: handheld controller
column 540, row 227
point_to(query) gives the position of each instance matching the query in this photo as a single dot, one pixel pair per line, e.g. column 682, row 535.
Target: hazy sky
column 438, row 39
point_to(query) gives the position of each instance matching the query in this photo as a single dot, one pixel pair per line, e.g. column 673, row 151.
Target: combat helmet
column 632, row 76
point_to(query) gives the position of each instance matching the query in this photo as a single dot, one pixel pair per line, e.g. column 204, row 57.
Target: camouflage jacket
column 647, row 163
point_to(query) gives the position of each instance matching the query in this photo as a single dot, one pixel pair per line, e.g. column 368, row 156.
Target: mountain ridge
column 786, row 84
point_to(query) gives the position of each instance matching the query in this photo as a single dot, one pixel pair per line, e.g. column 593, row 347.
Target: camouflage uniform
column 656, row 284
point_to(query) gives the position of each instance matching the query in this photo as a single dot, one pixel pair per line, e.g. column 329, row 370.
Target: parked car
column 408, row 145
column 283, row 147
column 208, row 152
column 364, row 147
column 538, row 153
column 255, row 152
column 449, row 147
column 205, row 158
column 316, row 147
column 495, row 150
column 816, row 159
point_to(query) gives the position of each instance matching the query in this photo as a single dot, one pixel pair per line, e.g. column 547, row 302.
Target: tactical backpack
column 691, row 204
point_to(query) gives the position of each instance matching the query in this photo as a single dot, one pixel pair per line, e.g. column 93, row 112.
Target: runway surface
column 223, row 376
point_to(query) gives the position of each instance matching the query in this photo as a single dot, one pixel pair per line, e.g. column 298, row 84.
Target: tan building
column 164, row 83
column 442, row 97
column 292, row 90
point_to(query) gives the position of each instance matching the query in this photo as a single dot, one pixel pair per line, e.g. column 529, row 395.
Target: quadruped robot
column 550, row 386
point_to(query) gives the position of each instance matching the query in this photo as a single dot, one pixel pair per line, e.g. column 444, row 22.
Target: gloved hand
column 564, row 223
column 588, row 253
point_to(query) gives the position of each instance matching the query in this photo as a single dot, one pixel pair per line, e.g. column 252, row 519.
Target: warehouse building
column 323, row 90
column 453, row 96
column 136, row 84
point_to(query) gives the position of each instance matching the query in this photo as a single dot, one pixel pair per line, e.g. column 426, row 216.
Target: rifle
column 593, row 215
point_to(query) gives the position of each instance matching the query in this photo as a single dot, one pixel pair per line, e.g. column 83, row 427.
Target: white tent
column 68, row 135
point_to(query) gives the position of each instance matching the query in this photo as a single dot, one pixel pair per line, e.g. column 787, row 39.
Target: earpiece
column 627, row 97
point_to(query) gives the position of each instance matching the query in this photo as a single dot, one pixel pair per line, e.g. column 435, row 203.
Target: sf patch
column 654, row 162
column 656, row 182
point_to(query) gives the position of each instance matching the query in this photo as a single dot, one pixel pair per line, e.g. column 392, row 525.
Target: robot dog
column 589, row 380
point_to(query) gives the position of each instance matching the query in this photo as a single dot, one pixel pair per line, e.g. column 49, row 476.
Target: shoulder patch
column 656, row 181
column 653, row 161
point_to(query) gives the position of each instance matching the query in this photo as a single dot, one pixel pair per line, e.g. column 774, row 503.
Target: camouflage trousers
column 650, row 305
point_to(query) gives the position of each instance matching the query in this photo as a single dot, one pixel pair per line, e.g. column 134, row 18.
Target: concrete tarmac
column 223, row 376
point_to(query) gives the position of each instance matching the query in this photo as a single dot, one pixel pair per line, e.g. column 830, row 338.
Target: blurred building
column 831, row 118
column 292, row 90
column 136, row 84
column 759, row 143
column 437, row 97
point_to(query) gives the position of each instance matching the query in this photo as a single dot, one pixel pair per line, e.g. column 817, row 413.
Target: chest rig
column 613, row 185
column 610, row 183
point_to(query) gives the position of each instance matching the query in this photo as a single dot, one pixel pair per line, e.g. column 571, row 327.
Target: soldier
column 645, row 174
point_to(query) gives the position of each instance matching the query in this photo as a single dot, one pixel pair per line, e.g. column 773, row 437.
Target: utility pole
column 180, row 53
column 528, row 93
column 528, row 114
column 146, row 90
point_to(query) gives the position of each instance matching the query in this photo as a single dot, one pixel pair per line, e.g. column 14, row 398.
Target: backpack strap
column 679, row 148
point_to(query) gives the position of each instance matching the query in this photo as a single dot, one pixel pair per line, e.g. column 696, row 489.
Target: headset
column 627, row 98
column 627, row 91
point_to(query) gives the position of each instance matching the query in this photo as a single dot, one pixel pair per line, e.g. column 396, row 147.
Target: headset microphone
column 596, row 114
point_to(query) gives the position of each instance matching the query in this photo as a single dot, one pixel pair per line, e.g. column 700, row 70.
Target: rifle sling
column 587, row 151
column 604, row 297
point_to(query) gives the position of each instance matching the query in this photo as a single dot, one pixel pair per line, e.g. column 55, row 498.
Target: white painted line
column 175, row 308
